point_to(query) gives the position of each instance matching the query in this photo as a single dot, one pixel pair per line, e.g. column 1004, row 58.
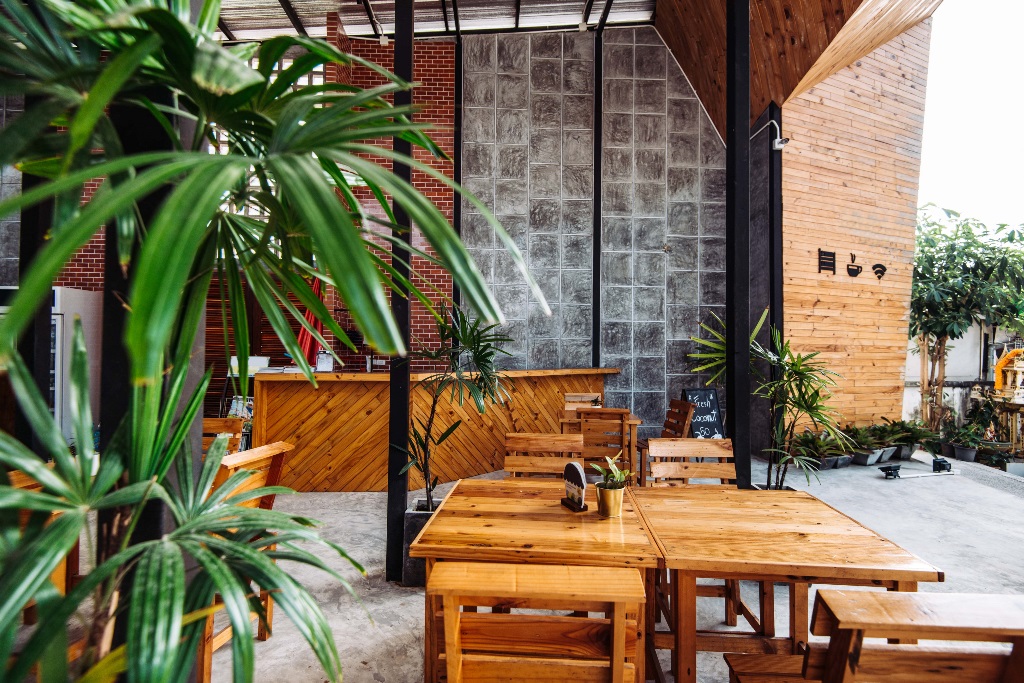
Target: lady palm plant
column 466, row 356
column 256, row 185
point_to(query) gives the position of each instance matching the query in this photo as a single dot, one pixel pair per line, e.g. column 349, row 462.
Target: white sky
column 974, row 119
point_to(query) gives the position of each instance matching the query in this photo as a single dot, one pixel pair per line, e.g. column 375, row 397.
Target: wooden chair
column 676, row 426
column 679, row 461
column 606, row 433
column 541, row 454
column 66, row 575
column 215, row 426
column 848, row 617
column 538, row 647
column 672, row 462
column 266, row 462
column 574, row 402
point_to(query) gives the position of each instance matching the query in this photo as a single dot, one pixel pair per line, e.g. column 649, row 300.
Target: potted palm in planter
column 966, row 440
column 829, row 452
column 611, row 487
column 888, row 435
column 866, row 448
column 911, row 435
column 466, row 357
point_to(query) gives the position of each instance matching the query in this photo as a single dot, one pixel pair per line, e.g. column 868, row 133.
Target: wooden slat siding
column 849, row 185
column 340, row 430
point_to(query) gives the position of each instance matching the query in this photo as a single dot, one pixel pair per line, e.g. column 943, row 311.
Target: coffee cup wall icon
column 853, row 269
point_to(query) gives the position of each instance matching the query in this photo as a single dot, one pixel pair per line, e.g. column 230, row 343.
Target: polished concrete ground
column 969, row 525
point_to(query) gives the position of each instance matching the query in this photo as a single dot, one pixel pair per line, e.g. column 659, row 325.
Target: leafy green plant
column 712, row 358
column 964, row 273
column 255, row 184
column 911, row 431
column 967, row 436
column 817, row 446
column 887, row 433
column 467, row 355
column 985, row 414
column 612, row 477
column 862, row 438
column 799, row 388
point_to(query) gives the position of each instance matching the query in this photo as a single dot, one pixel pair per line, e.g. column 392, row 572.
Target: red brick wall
column 434, row 71
column 85, row 270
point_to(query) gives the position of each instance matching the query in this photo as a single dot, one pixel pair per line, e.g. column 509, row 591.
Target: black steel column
column 737, row 246
column 34, row 345
column 457, row 154
column 775, row 223
column 595, row 334
column 398, row 425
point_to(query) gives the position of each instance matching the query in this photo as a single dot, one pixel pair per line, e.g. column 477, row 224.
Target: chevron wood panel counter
column 340, row 427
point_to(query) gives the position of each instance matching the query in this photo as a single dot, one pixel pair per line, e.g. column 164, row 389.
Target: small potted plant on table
column 610, row 488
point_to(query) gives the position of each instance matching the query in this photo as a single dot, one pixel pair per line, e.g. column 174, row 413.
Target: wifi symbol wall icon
column 879, row 270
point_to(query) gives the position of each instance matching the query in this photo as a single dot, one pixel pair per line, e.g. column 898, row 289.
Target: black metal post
column 775, row 221
column 34, row 345
column 457, row 154
column 595, row 335
column 398, row 425
column 737, row 246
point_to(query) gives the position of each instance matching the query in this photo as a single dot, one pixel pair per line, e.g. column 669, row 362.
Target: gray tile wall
column 528, row 153
column 10, row 185
column 663, row 223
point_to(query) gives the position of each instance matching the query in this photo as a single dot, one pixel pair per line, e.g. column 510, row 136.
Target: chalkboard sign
column 707, row 418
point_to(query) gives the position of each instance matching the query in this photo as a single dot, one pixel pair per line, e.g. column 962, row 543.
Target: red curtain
column 307, row 343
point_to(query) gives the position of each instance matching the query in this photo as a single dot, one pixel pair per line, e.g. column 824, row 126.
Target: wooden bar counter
column 340, row 427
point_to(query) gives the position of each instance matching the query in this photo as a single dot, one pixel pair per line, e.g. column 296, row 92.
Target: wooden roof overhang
column 794, row 44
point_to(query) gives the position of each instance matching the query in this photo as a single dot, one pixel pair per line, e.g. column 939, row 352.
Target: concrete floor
column 967, row 525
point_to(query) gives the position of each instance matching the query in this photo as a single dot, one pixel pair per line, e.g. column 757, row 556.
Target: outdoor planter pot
column 414, row 569
column 866, row 457
column 965, row 453
column 762, row 487
column 887, row 453
column 609, row 501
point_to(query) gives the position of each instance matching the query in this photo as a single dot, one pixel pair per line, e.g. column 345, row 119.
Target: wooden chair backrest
column 215, row 426
column 606, row 433
column 65, row 575
column 678, row 461
column 514, row 646
column 850, row 616
column 677, row 419
column 529, row 454
column 265, row 461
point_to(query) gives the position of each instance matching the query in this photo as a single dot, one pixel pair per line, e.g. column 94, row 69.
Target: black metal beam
column 737, row 244
column 512, row 30
column 586, row 11
column 371, row 17
column 225, row 30
column 444, row 14
column 604, row 16
column 293, row 17
column 595, row 334
column 455, row 15
column 398, row 424
column 519, row 7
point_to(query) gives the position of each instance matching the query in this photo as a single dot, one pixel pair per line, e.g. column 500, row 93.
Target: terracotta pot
column 609, row 502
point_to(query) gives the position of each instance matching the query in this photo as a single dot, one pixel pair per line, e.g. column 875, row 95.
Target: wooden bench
column 537, row 647
column 848, row 617
column 534, row 454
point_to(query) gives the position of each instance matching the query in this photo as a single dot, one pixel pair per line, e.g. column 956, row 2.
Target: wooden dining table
column 770, row 536
column 523, row 521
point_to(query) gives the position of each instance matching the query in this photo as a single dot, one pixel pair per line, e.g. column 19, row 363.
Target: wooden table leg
column 429, row 637
column 798, row 628
column 766, row 601
column 684, row 657
column 645, row 624
column 903, row 587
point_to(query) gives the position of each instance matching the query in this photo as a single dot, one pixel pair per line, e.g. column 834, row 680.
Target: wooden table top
column 522, row 520
column 726, row 531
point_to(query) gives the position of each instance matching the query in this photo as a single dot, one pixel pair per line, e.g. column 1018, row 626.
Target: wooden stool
column 538, row 647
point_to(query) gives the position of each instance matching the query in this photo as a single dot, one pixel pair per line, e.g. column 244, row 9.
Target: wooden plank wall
column 850, row 182
column 340, row 430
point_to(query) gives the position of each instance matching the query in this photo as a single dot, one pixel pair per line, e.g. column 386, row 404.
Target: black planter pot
column 964, row 453
column 762, row 487
column 947, row 451
column 414, row 569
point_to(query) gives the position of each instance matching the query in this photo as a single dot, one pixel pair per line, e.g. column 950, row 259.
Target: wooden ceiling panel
column 794, row 44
